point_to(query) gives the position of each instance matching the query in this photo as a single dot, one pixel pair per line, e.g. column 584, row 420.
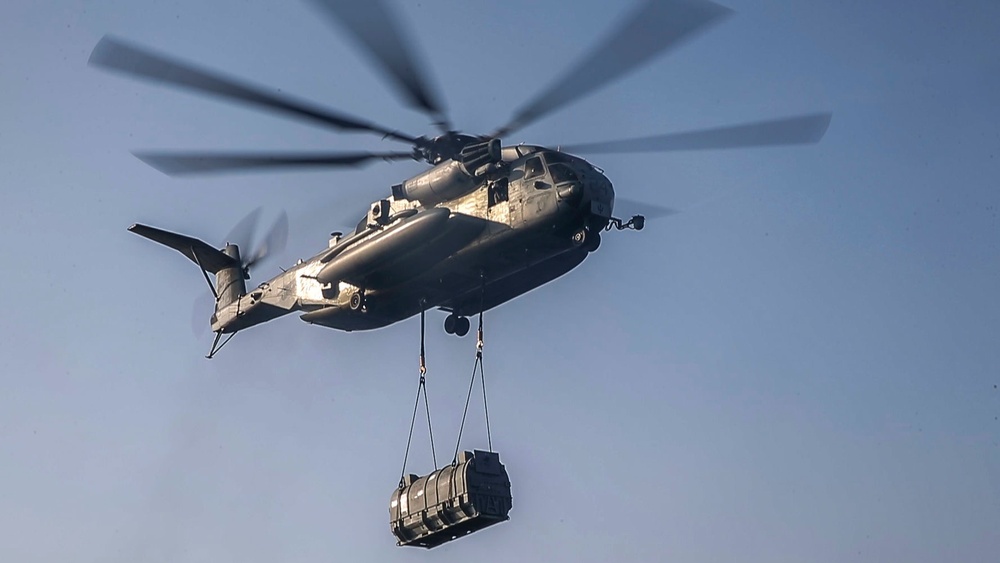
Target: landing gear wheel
column 593, row 242
column 459, row 326
column 463, row 326
column 579, row 237
column 357, row 300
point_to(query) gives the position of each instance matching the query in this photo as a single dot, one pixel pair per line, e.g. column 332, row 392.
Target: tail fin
column 225, row 264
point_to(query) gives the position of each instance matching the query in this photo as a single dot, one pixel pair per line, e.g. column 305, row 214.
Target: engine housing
column 451, row 178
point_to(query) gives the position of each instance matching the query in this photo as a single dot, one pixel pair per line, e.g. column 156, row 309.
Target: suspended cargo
column 452, row 502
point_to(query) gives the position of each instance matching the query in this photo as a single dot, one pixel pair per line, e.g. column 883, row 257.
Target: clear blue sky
column 802, row 365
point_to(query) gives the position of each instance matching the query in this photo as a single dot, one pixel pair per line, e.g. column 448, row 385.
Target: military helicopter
column 483, row 225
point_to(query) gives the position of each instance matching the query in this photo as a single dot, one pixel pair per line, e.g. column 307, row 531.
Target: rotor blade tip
column 100, row 51
column 823, row 125
column 111, row 52
column 157, row 164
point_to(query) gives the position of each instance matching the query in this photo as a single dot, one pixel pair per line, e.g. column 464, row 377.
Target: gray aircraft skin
column 483, row 225
column 530, row 216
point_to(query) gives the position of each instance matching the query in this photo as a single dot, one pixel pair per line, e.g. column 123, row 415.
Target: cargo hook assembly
column 421, row 389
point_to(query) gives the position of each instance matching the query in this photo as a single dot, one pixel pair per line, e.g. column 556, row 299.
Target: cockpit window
column 525, row 150
column 575, row 162
column 562, row 173
column 533, row 168
column 554, row 156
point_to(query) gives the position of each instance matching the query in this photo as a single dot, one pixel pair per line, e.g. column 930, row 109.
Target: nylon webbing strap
column 421, row 388
column 477, row 369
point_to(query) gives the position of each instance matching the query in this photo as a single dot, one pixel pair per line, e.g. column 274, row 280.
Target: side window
column 533, row 168
column 498, row 192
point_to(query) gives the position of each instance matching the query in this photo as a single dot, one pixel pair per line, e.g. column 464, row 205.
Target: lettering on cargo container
column 488, row 504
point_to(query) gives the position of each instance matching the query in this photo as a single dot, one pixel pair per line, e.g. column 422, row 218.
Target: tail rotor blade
column 273, row 243
column 242, row 233
column 201, row 309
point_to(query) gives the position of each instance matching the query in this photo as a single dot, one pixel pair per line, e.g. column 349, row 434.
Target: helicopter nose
column 601, row 195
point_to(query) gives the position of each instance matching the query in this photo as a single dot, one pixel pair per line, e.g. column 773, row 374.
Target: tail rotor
column 242, row 236
column 274, row 242
column 230, row 277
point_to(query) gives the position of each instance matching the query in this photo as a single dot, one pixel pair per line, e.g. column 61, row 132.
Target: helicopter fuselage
column 530, row 217
column 481, row 226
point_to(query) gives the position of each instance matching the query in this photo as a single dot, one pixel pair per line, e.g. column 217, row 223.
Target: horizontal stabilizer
column 201, row 253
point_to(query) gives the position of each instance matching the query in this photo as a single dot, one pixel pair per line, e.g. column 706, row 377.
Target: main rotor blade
column 656, row 26
column 188, row 163
column 646, row 209
column 116, row 55
column 376, row 30
column 799, row 130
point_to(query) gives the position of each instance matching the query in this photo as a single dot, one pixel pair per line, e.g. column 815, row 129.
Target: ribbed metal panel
column 452, row 502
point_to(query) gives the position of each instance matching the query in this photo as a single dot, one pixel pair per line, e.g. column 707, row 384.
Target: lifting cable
column 478, row 367
column 421, row 388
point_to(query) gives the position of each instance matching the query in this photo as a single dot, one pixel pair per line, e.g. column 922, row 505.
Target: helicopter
column 484, row 224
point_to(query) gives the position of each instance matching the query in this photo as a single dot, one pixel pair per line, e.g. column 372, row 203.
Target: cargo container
column 467, row 496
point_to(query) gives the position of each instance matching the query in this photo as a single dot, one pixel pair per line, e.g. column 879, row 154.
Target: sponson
column 452, row 502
